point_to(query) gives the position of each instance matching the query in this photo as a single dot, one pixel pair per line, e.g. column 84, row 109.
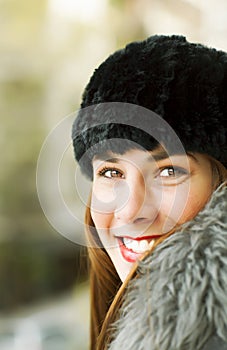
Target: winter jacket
column 179, row 300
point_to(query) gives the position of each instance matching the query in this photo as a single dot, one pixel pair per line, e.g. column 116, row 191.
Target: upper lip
column 140, row 238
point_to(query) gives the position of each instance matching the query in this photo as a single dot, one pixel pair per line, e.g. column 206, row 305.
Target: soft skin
column 145, row 194
column 179, row 296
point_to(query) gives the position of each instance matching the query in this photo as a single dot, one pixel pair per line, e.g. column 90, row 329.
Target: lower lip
column 128, row 254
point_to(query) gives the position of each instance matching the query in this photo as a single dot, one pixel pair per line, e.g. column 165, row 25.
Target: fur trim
column 184, row 83
column 179, row 300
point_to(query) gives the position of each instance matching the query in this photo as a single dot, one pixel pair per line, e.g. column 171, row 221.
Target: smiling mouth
column 132, row 249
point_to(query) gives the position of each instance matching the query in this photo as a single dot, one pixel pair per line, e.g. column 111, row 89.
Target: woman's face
column 141, row 195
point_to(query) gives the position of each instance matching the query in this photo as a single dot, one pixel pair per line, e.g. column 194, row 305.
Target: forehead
column 118, row 146
column 143, row 157
column 140, row 158
column 155, row 155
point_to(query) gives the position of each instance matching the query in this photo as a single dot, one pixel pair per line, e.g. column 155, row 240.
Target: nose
column 137, row 204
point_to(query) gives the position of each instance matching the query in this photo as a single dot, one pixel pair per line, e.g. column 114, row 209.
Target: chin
column 123, row 268
column 123, row 274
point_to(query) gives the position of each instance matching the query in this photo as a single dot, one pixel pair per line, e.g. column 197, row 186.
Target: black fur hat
column 184, row 83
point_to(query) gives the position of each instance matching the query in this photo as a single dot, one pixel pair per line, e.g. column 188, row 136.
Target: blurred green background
column 48, row 51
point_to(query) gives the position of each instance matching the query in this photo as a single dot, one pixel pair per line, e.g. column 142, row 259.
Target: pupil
column 171, row 171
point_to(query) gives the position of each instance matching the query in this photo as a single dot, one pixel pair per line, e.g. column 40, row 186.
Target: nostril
column 140, row 220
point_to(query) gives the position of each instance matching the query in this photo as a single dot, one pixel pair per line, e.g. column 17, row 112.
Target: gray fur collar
column 179, row 301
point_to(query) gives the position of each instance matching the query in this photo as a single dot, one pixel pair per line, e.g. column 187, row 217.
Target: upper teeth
column 138, row 246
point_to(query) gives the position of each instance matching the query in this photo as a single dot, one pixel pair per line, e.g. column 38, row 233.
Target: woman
column 156, row 221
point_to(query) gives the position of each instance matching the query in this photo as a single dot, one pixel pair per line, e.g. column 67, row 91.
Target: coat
column 179, row 300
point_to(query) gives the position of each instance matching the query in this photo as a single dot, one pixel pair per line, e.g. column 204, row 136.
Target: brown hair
column 104, row 280
column 106, row 288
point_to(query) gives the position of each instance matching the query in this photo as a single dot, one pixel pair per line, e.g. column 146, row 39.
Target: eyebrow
column 153, row 157
column 106, row 159
column 163, row 155
column 105, row 156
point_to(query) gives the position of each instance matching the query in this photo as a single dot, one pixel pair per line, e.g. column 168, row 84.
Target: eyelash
column 177, row 171
column 103, row 171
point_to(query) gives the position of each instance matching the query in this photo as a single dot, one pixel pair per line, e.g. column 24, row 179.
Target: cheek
column 103, row 200
column 183, row 203
column 101, row 220
column 198, row 195
column 194, row 204
column 101, row 210
column 173, row 202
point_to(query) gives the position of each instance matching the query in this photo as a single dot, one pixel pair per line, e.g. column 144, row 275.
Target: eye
column 172, row 172
column 111, row 173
